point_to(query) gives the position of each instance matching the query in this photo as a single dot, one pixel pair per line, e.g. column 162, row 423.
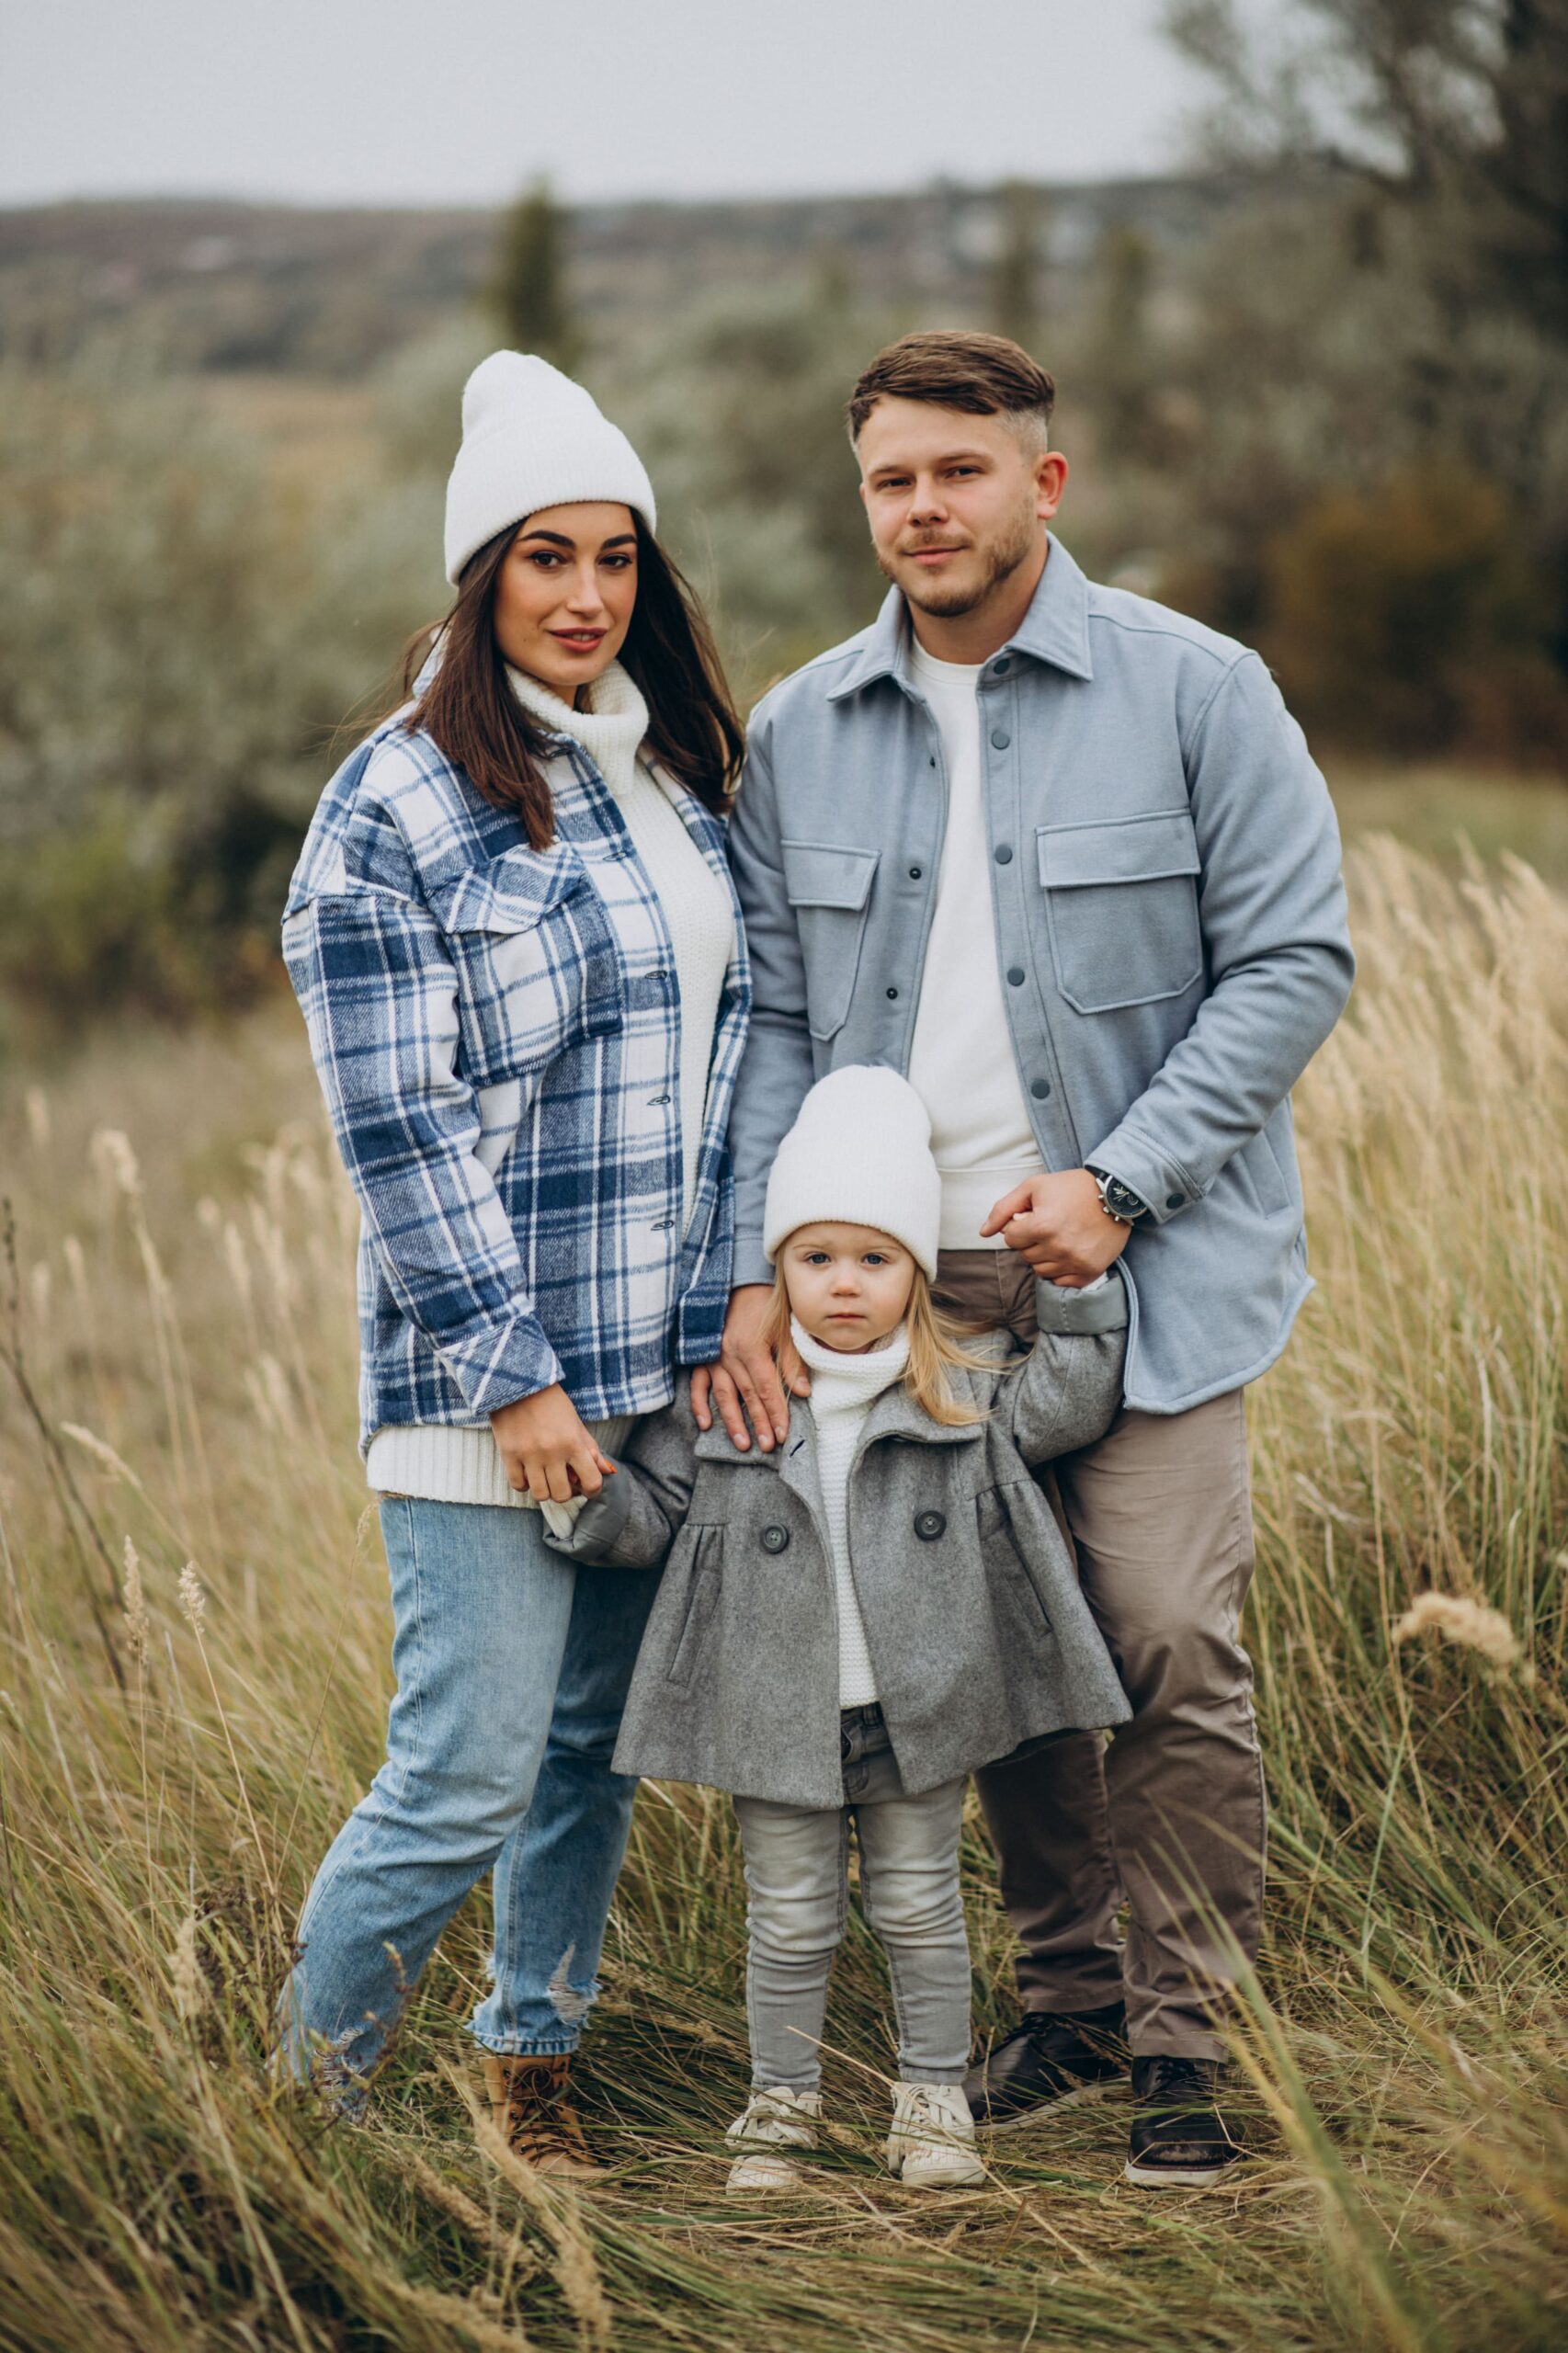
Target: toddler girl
column 848, row 1627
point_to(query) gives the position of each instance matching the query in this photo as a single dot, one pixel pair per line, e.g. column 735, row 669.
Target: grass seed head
column 192, row 1596
column 1470, row 1624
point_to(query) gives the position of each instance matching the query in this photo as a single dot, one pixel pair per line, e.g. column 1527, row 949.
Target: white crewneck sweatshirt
column 960, row 1062
column 463, row 1466
column 844, row 1390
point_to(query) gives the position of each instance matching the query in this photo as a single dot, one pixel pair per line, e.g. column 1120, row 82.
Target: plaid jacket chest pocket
column 537, row 965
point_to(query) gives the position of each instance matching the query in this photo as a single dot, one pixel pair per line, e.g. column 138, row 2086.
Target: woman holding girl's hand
column 513, row 937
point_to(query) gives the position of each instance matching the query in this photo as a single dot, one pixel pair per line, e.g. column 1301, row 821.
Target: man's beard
column 1002, row 559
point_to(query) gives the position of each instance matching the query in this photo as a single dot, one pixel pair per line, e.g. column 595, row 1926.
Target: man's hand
column 746, row 1376
column 546, row 1448
column 1057, row 1225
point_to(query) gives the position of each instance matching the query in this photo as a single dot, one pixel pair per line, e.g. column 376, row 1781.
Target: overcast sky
column 407, row 101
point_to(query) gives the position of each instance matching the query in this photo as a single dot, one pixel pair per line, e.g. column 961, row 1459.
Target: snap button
column 1040, row 1089
column 1175, row 1200
column 915, row 874
column 1003, row 853
column 1000, row 669
column 1016, row 976
column 1000, row 737
column 929, row 1525
column 892, row 992
column 774, row 1538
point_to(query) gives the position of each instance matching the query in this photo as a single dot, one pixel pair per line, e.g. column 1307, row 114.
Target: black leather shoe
column 1052, row 2060
column 1181, row 2139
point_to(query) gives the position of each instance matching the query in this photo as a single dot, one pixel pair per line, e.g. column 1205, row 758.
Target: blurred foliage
column 183, row 630
column 1317, row 395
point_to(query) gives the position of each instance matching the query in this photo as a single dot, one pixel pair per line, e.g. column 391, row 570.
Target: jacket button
column 1003, row 853
column 774, row 1538
column 1016, row 976
column 915, row 874
column 1175, row 1200
column 1000, row 738
column 892, row 992
column 929, row 1525
column 1000, row 669
column 1040, row 1089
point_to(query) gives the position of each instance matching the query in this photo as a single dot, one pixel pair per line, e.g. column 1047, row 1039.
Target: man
column 1061, row 855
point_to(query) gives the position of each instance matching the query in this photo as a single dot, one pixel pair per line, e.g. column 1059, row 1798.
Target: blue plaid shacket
column 496, row 1030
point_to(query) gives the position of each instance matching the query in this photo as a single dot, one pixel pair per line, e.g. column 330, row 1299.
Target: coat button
column 1000, row 738
column 1016, row 976
column 1003, row 853
column 1040, row 1089
column 1175, row 1200
column 1000, row 669
column 774, row 1538
column 929, row 1525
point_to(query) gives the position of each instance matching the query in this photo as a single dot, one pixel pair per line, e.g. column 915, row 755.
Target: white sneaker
column 931, row 2145
column 775, row 2121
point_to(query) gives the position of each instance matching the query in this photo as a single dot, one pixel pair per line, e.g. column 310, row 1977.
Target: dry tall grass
column 178, row 1746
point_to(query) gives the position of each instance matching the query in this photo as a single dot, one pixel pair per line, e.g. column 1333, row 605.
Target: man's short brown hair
column 957, row 367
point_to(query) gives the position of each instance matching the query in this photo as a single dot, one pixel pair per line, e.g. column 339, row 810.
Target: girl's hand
column 546, row 1448
column 1056, row 1225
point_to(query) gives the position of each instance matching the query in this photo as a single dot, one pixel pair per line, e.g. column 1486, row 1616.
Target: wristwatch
column 1118, row 1200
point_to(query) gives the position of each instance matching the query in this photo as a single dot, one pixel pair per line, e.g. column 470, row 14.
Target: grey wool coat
column 979, row 1634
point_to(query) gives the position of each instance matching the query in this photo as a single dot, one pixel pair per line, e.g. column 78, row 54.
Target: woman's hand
column 547, row 1449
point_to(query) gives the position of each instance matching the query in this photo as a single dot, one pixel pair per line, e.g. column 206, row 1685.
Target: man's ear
column 1050, row 481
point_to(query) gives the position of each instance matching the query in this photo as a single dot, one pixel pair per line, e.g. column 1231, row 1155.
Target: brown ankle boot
column 531, row 2101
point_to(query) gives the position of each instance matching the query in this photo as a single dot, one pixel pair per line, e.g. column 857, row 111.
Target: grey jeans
column 797, row 1858
column 1168, row 1819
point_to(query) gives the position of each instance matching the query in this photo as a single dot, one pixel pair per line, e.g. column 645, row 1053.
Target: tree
column 529, row 292
column 1121, row 363
column 1456, row 108
column 1015, row 275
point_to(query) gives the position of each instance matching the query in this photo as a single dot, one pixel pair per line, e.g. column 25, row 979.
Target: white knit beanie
column 532, row 439
column 859, row 1153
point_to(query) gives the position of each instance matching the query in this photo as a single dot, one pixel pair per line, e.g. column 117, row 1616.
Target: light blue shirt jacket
column 1169, row 925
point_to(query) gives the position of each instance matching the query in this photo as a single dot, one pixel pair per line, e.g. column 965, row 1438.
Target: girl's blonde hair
column 935, row 1350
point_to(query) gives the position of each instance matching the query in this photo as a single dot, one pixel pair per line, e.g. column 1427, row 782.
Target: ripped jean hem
column 511, row 2047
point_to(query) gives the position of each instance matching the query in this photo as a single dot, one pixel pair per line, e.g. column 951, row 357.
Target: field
column 193, row 1681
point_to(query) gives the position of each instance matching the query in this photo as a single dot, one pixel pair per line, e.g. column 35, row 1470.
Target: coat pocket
column 703, row 1578
column 1121, row 907
column 1013, row 1586
column 828, row 885
column 538, row 971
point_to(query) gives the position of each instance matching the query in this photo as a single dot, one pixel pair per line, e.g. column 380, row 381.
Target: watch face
column 1123, row 1199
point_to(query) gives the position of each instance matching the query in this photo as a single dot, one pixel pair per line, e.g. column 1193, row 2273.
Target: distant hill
column 244, row 287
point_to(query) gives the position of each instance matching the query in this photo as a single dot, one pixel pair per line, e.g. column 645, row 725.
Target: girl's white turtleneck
column 441, row 1464
column 844, row 1390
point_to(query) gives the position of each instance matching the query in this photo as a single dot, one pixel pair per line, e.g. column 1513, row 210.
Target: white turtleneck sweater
column 463, row 1466
column 844, row 1390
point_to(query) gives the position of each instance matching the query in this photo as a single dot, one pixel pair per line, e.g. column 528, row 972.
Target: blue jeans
column 512, row 1669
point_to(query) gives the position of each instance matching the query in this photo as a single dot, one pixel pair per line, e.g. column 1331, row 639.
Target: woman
column 514, row 938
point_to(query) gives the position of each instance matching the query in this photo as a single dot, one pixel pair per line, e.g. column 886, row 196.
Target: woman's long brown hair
column 469, row 711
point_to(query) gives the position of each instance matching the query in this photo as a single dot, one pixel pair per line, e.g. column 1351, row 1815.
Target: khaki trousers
column 1168, row 1818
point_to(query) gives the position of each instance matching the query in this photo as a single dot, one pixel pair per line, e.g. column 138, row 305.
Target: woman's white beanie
column 859, row 1153
column 533, row 438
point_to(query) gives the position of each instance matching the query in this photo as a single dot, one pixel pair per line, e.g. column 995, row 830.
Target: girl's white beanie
column 533, row 438
column 859, row 1153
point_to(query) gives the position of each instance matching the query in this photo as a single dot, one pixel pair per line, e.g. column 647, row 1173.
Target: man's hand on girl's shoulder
column 750, row 1389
